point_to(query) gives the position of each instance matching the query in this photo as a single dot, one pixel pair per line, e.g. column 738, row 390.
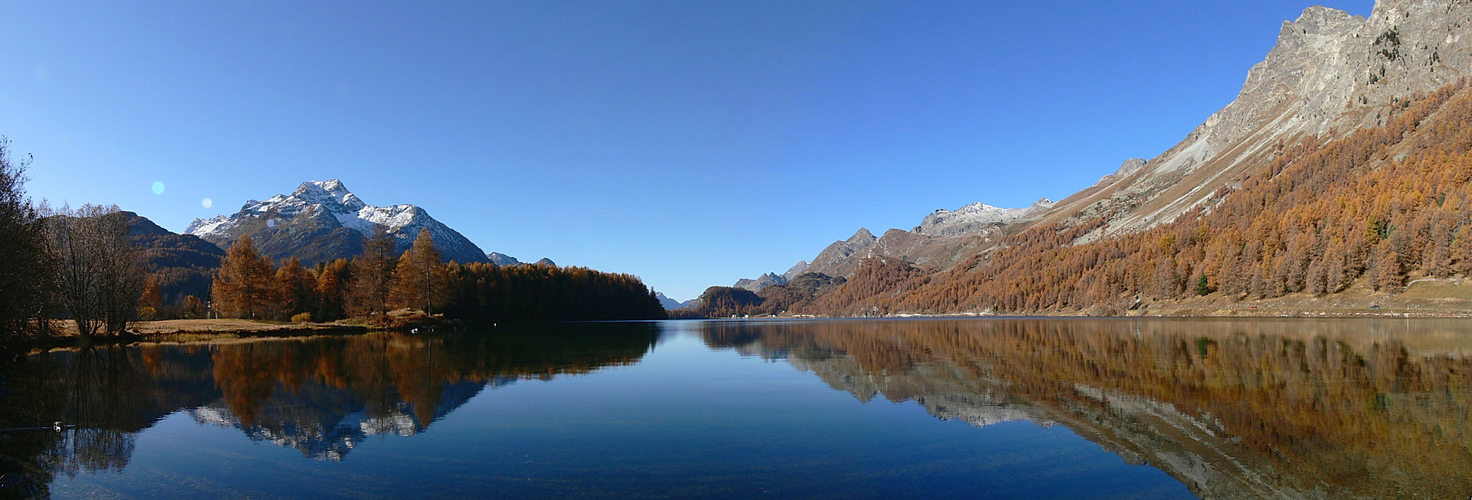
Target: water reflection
column 1288, row 409
column 320, row 395
column 1230, row 408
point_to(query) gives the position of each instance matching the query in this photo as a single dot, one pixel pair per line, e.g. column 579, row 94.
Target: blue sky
column 690, row 143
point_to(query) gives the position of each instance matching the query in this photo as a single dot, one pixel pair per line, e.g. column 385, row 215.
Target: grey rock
column 834, row 258
column 796, row 269
column 502, row 259
column 758, row 284
column 1330, row 73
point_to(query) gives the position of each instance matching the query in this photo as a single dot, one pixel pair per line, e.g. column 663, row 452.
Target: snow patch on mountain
column 974, row 217
column 313, row 199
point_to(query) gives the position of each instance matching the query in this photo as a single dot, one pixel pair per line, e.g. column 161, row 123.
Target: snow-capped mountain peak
column 328, row 193
column 314, row 216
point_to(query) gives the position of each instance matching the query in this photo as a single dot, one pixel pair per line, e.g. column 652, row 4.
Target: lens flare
column 158, row 187
column 270, row 222
column 207, row 203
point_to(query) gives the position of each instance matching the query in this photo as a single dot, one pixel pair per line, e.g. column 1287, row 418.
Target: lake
column 1003, row 408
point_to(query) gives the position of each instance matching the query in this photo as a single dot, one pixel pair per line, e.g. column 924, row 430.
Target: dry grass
column 206, row 328
column 221, row 326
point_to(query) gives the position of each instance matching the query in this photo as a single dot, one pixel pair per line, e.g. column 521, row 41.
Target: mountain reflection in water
column 1251, row 409
column 1256, row 408
column 321, row 395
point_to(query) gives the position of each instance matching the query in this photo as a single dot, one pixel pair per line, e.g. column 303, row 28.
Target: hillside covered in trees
column 1380, row 205
column 1368, row 211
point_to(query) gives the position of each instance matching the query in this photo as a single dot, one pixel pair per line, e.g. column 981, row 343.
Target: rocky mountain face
column 1329, row 75
column 322, row 221
column 975, row 217
column 800, row 267
column 765, row 280
column 942, row 239
column 840, row 253
column 502, row 259
column 771, row 279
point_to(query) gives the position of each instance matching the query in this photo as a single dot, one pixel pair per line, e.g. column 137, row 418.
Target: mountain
column 672, row 304
column 800, row 267
column 756, row 285
column 323, row 221
column 1329, row 74
column 942, row 239
column 1315, row 179
column 183, row 264
column 975, row 217
column 772, row 279
column 839, row 252
column 159, row 248
column 502, row 259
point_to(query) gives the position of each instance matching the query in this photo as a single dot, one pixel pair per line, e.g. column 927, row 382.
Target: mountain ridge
column 321, row 221
column 1329, row 75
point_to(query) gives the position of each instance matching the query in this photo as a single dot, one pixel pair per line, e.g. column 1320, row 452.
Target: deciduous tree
column 98, row 276
column 23, row 265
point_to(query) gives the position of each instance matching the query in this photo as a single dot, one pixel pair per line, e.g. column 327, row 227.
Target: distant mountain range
column 322, row 221
column 672, row 304
column 504, row 260
column 933, row 241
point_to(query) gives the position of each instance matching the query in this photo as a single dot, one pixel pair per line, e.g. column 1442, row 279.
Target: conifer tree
column 296, row 288
column 373, row 273
column 420, row 278
column 331, row 289
column 152, row 300
column 243, row 285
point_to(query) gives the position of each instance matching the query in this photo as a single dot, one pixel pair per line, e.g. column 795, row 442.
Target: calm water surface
column 1003, row 408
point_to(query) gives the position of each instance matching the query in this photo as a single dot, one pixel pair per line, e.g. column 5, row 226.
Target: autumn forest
column 1374, row 208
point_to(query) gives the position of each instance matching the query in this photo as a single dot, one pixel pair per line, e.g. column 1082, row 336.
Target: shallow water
column 1003, row 408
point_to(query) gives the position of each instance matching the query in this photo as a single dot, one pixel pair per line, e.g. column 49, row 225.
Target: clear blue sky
column 688, row 142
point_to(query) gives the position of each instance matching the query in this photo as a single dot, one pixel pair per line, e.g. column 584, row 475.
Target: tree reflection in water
column 1231, row 408
column 1259, row 408
column 321, row 395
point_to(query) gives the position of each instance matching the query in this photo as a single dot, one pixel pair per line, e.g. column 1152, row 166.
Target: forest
column 102, row 268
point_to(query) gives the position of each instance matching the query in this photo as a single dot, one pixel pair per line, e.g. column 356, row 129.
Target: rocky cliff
column 1329, row 74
